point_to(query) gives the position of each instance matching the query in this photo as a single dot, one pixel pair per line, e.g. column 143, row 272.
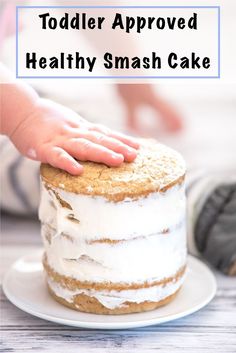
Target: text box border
column 116, row 7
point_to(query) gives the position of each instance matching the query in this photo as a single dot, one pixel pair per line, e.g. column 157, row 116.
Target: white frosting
column 145, row 254
column 143, row 259
column 114, row 299
column 100, row 218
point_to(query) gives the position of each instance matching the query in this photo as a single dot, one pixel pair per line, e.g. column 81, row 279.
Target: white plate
column 24, row 286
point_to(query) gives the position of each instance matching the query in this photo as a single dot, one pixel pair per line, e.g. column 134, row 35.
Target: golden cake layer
column 156, row 169
column 73, row 284
column 89, row 304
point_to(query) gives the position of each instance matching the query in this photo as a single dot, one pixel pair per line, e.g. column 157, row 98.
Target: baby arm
column 51, row 133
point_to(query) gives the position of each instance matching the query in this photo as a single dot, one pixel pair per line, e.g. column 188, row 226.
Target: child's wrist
column 24, row 118
column 18, row 103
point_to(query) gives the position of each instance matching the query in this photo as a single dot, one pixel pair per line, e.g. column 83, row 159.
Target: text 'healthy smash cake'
column 115, row 239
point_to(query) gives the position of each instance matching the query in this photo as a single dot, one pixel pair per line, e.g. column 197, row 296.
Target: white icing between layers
column 115, row 299
column 100, row 218
column 143, row 259
column 150, row 256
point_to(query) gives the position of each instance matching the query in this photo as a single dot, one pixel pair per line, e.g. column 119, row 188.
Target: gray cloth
column 215, row 229
column 211, row 200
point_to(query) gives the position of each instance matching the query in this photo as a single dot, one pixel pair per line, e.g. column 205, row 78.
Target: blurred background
column 206, row 107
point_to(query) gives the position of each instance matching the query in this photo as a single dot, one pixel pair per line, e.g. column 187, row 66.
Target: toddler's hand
column 57, row 135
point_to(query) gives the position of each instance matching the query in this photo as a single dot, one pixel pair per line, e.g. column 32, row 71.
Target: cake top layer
column 157, row 168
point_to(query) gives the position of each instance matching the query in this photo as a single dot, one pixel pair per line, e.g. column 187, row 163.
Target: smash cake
column 115, row 238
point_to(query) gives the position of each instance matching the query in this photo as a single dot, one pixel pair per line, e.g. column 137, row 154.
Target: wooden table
column 212, row 329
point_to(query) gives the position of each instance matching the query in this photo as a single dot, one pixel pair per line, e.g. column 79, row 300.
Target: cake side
column 107, row 298
column 143, row 259
column 95, row 218
column 89, row 304
column 115, row 238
